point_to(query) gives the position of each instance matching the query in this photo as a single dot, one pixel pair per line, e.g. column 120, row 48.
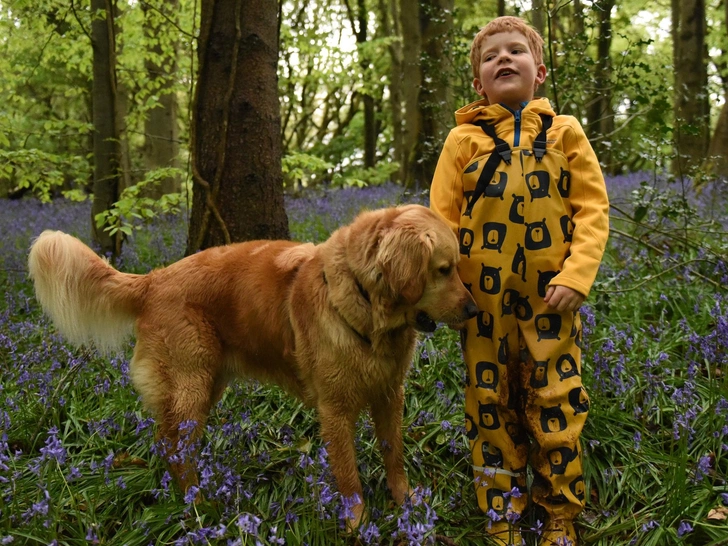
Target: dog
column 334, row 324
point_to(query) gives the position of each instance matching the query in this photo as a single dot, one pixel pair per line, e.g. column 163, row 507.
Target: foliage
column 301, row 169
column 77, row 456
column 133, row 204
column 44, row 173
column 323, row 76
column 45, row 99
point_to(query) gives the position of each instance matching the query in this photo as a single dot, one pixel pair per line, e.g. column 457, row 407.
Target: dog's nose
column 471, row 309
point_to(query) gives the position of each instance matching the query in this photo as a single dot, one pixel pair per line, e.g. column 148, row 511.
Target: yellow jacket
column 575, row 204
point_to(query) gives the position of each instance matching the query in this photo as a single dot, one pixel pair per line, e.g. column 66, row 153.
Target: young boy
column 523, row 190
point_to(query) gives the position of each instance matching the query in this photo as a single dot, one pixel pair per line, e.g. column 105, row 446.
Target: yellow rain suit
column 541, row 220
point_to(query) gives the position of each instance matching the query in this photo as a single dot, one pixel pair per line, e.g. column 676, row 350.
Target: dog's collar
column 365, row 295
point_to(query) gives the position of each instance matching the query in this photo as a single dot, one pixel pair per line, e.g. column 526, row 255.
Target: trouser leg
column 498, row 442
column 555, row 412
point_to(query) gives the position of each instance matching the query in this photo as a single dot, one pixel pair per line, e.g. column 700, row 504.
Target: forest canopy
column 363, row 97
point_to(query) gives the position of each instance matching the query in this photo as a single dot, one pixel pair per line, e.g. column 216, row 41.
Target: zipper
column 516, row 125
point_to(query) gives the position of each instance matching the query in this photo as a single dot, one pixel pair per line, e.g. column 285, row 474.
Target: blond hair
column 506, row 24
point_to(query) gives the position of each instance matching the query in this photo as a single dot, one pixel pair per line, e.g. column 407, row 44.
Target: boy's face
column 508, row 73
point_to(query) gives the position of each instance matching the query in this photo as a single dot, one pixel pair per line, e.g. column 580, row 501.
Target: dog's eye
column 446, row 270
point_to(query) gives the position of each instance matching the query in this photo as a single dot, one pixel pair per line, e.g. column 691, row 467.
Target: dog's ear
column 403, row 259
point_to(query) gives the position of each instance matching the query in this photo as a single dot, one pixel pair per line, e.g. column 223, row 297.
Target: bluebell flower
column 369, row 533
column 347, row 503
column 191, row 494
column 249, row 524
column 704, row 467
column 493, row 515
column 91, row 535
column 637, row 438
column 684, row 528
column 53, row 448
column 273, row 538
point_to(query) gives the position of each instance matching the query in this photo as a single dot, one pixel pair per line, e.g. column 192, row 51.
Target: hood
column 493, row 113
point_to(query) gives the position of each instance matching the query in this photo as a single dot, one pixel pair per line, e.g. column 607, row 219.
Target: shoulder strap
column 504, row 153
column 539, row 144
column 501, row 145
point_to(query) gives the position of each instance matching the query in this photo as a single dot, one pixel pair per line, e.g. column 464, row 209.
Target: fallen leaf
column 718, row 514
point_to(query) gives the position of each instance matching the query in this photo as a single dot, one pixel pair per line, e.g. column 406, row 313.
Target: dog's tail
column 87, row 299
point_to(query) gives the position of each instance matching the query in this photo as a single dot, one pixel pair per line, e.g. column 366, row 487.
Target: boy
column 523, row 190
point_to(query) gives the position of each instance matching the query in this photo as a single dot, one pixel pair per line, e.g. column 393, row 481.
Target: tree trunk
column 161, row 134
column 718, row 150
column 359, row 25
column 435, row 103
column 692, row 107
column 105, row 136
column 599, row 112
column 539, row 23
column 390, row 27
column 412, row 79
column 236, row 139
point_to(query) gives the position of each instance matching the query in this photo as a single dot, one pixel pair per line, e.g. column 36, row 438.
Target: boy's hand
column 563, row 298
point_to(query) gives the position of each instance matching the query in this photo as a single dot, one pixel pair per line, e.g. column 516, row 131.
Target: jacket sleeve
column 590, row 207
column 446, row 190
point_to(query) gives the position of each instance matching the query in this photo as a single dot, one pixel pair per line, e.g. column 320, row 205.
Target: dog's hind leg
column 387, row 416
column 180, row 398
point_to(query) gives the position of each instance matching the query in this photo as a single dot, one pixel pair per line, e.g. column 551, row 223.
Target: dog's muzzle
column 424, row 322
column 469, row 311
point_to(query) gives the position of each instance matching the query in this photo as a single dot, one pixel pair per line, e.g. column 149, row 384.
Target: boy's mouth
column 504, row 72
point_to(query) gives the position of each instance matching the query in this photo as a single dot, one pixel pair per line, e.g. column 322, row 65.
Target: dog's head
column 414, row 256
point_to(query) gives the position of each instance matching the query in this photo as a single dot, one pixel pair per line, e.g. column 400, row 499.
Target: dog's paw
column 402, row 492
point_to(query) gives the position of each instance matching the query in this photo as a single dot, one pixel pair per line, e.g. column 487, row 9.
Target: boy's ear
column 479, row 88
column 541, row 74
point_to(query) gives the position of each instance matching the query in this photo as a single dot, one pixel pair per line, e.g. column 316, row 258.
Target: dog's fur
column 333, row 324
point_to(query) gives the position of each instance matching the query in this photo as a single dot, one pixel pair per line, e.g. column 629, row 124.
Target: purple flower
column 191, row 494
column 248, row 524
column 39, row 508
column 273, row 538
column 684, row 528
column 91, row 535
column 53, row 448
column 513, row 517
column 369, row 533
column 347, row 503
column 493, row 515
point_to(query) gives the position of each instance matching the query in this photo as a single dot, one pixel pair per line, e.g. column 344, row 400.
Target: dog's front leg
column 387, row 416
column 337, row 431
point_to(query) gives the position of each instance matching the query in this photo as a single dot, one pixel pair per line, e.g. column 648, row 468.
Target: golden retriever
column 334, row 324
